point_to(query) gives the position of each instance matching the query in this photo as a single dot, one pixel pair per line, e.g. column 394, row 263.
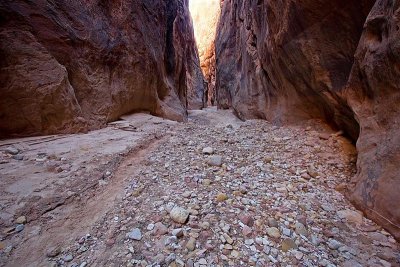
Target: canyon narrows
column 110, row 156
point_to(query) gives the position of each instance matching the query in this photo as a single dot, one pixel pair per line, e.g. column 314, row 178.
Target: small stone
column 12, row 150
column 267, row 159
column 272, row 222
column 208, row 150
column 273, row 232
column 179, row 215
column 312, row 172
column 135, row 234
column 288, row 244
column 214, row 161
column 246, row 231
column 246, row 219
column 191, row 244
column 350, row 216
column 68, row 258
column 2, row 245
column 150, row 227
column 334, row 244
column 221, row 197
column 187, row 194
column 160, row 229
column 19, row 228
column 18, row 157
column 21, row 220
column 206, row 182
column 53, row 252
column 177, row 232
column 235, row 254
column 205, row 225
column 83, row 264
column 300, row 229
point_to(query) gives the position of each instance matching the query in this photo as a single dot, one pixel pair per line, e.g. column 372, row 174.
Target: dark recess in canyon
column 286, row 61
column 74, row 66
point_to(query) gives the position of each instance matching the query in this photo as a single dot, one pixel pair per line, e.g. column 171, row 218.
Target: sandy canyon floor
column 214, row 191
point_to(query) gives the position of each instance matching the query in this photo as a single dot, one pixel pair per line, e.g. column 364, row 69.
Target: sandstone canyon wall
column 286, row 61
column 67, row 66
column 205, row 14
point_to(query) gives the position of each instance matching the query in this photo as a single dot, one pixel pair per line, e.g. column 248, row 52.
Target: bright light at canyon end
column 205, row 15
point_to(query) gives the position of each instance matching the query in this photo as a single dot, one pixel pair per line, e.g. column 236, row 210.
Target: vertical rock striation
column 286, row 61
column 71, row 66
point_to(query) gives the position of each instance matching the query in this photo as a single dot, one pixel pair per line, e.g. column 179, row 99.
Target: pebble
column 160, row 229
column 215, row 161
column 179, row 215
column 334, row 244
column 177, row 232
column 12, row 150
column 273, row 232
column 135, row 234
column 221, row 197
column 288, row 244
column 350, row 216
column 19, row 228
column 21, row 220
column 68, row 258
column 208, row 150
column 301, row 229
column 191, row 244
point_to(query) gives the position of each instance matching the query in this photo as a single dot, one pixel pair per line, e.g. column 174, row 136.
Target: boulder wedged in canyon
column 68, row 67
column 286, row 61
column 373, row 93
column 205, row 14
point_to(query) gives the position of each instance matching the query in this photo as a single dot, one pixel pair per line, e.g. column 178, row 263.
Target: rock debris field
column 214, row 191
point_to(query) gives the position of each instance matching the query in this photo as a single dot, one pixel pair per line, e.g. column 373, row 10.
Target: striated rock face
column 69, row 66
column 205, row 14
column 373, row 93
column 286, row 61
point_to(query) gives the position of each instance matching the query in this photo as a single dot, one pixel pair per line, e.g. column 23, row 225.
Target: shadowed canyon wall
column 286, row 61
column 205, row 14
column 68, row 66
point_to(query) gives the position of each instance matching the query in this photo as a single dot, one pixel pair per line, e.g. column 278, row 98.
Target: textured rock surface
column 291, row 60
column 374, row 95
column 69, row 66
column 205, row 14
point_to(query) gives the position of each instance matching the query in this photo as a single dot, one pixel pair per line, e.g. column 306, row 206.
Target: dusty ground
column 276, row 200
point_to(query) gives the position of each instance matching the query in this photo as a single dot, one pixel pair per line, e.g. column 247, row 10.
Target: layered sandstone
column 286, row 61
column 67, row 66
column 205, row 14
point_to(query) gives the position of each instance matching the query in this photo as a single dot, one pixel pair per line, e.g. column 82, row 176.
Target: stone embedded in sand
column 135, row 234
column 351, row 216
column 208, row 150
column 221, row 197
column 179, row 215
column 273, row 232
column 288, row 244
column 215, row 161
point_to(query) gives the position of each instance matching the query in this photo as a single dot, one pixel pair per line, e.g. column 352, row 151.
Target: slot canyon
column 200, row 133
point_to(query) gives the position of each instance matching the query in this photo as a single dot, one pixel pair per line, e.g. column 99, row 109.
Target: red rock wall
column 67, row 66
column 286, row 61
column 373, row 92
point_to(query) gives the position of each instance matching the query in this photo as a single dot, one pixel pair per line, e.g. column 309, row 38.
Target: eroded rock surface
column 374, row 95
column 68, row 66
column 286, row 61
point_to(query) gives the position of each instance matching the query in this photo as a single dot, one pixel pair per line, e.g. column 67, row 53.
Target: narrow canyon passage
column 194, row 133
column 215, row 191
